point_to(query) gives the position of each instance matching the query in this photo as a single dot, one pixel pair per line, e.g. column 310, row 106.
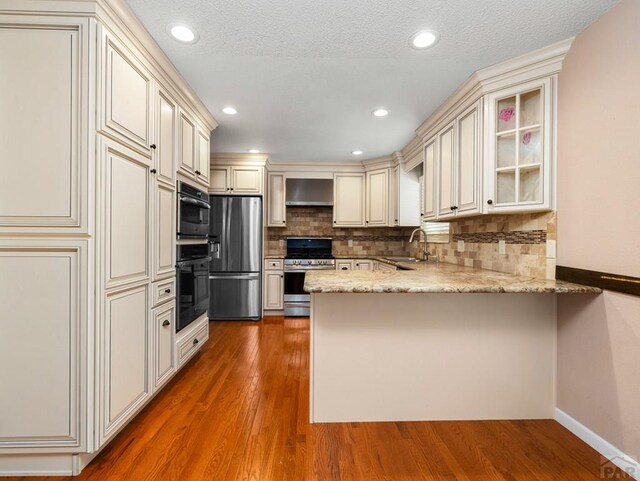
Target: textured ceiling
column 306, row 74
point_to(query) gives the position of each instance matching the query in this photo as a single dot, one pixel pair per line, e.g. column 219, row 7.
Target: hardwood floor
column 239, row 412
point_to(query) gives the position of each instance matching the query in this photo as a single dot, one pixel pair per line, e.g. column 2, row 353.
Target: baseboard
column 625, row 462
column 37, row 465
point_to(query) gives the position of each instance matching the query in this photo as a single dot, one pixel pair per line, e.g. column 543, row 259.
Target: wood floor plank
column 239, row 412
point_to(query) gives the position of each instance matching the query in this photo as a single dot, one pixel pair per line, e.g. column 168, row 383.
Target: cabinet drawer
column 192, row 344
column 273, row 265
column 164, row 291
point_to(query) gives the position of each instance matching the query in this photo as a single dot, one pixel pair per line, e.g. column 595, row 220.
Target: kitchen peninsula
column 435, row 342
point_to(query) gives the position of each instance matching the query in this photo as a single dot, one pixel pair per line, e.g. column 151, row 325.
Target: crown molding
column 229, row 158
column 537, row 64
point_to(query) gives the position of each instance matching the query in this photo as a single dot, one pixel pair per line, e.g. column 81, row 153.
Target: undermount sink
column 402, row 259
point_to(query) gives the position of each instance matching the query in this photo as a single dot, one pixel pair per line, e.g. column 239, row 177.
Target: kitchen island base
column 432, row 356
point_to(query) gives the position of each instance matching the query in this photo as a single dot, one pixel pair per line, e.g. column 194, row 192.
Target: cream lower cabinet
column 164, row 328
column 349, row 200
column 124, row 361
column 363, row 264
column 276, row 198
column 43, row 321
column 273, row 284
column 377, row 198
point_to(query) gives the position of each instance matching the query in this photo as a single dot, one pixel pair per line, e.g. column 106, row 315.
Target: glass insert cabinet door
column 519, row 147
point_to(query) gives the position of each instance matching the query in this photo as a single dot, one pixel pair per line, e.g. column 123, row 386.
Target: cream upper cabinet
column 202, row 164
column 126, row 95
column 126, row 214
column 165, row 144
column 276, row 193
column 394, row 196
column 41, row 132
column 246, row 180
column 42, row 310
column 220, row 180
column 377, row 198
column 187, row 141
column 446, row 171
column 124, row 362
column 468, row 178
column 429, row 187
column 164, row 234
column 349, row 200
column 240, row 180
column 519, row 148
column 164, row 328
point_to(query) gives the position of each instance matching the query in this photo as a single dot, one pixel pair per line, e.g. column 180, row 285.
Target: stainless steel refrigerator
column 235, row 272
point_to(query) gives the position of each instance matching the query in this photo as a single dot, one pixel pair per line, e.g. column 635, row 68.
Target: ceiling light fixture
column 357, row 152
column 182, row 33
column 229, row 110
column 424, row 39
column 380, row 112
column 254, row 151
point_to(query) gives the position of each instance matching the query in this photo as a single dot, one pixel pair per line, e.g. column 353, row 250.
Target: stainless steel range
column 303, row 254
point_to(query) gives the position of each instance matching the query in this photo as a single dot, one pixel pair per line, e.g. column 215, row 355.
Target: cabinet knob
column 153, row 146
column 167, row 291
column 366, row 221
column 195, row 341
column 153, row 171
column 281, row 276
column 455, row 207
column 198, row 172
column 490, row 202
column 284, row 221
column 165, row 323
column 452, row 208
column 231, row 188
column 334, row 221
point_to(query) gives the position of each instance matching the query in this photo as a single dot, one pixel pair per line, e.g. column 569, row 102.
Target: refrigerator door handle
column 235, row 277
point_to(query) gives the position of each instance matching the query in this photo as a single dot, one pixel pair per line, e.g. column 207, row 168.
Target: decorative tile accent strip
column 336, row 236
column 514, row 237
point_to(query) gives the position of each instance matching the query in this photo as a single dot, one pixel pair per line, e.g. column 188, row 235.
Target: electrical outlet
column 350, row 242
column 551, row 249
column 460, row 246
column 281, row 243
column 502, row 247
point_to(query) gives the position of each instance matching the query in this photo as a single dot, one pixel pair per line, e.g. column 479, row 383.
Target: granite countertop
column 429, row 277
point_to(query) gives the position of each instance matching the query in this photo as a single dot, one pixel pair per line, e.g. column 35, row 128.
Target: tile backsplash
column 525, row 237
column 318, row 222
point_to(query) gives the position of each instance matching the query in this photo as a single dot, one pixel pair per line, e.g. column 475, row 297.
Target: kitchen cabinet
column 202, row 165
column 238, row 180
column 363, row 264
column 126, row 206
column 43, row 314
column 165, row 143
column 386, row 267
column 273, row 284
column 41, row 152
column 126, row 95
column 458, row 166
column 187, row 142
column 377, row 198
column 344, row 265
column 164, row 236
column 164, row 329
column 190, row 339
column 394, row 201
column 429, row 186
column 349, row 200
column 276, row 194
column 519, row 148
column 124, row 361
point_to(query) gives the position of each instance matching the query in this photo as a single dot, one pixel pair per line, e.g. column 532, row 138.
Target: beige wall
column 599, row 224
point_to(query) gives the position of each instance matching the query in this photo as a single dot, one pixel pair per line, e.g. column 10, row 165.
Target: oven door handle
column 193, row 262
column 190, row 200
column 236, row 277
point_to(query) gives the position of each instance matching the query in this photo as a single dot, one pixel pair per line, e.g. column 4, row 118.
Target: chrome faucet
column 425, row 252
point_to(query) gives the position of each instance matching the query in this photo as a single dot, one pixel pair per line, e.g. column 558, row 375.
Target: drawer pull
column 165, row 323
column 167, row 291
column 195, row 341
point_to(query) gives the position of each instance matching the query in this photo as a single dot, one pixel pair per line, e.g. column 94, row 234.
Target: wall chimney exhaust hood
column 309, row 192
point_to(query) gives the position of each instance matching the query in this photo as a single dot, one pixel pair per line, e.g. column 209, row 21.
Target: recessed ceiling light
column 424, row 39
column 182, row 33
column 229, row 110
column 254, row 151
column 357, row 152
column 380, row 112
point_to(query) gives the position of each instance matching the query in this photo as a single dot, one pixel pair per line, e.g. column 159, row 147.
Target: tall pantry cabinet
column 89, row 139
